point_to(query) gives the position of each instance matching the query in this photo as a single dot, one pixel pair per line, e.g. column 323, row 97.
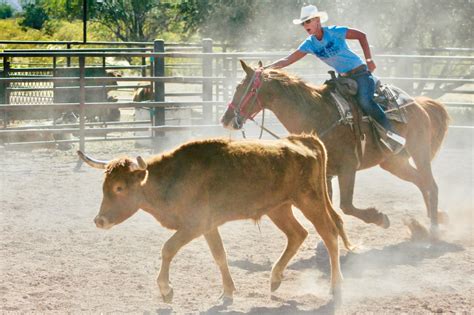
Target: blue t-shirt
column 332, row 49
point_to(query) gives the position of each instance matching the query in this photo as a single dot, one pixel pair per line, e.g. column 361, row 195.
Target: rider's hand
column 371, row 65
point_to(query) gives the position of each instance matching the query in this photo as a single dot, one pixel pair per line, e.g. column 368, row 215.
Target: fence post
column 159, row 87
column 3, row 85
column 68, row 58
column 4, row 99
column 82, row 102
column 206, row 84
column 143, row 67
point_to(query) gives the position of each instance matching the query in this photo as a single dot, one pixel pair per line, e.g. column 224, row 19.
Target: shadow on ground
column 354, row 264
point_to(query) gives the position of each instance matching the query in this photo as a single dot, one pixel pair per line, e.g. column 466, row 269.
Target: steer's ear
column 139, row 165
column 246, row 68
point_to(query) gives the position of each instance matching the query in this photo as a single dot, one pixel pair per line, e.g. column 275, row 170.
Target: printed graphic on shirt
column 328, row 51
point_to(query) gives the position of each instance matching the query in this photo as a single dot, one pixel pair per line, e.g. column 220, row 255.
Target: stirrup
column 393, row 147
column 397, row 138
column 393, row 142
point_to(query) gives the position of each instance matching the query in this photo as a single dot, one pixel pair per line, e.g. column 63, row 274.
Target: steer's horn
column 139, row 166
column 92, row 162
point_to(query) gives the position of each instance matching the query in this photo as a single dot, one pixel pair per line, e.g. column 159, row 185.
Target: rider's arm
column 362, row 38
column 286, row 61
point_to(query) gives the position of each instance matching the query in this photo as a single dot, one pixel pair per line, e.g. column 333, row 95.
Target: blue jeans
column 365, row 94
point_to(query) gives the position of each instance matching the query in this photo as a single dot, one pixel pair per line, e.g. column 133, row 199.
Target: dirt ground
column 54, row 259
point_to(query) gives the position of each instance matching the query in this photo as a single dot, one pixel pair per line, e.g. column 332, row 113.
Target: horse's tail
column 439, row 119
column 312, row 142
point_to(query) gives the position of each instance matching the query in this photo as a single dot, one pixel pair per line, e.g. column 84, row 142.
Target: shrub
column 6, row 11
column 34, row 16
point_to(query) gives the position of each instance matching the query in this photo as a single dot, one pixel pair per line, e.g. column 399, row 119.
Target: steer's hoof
column 275, row 285
column 168, row 298
column 226, row 299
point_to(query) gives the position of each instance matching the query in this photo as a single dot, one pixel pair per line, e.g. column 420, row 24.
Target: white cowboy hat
column 309, row 12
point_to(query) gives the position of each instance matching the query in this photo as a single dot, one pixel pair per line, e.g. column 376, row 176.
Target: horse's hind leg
column 284, row 219
column 430, row 188
column 314, row 210
column 214, row 241
column 346, row 186
column 421, row 176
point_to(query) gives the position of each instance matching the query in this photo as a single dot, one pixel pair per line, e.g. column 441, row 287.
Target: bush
column 6, row 11
column 34, row 16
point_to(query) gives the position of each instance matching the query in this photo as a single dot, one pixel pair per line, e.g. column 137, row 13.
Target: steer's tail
column 316, row 145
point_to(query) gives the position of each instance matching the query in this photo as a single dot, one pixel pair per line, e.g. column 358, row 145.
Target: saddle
column 392, row 99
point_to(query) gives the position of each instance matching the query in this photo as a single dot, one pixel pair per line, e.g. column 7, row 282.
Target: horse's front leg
column 346, row 186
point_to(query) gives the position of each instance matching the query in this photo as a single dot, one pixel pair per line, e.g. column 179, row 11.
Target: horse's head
column 245, row 103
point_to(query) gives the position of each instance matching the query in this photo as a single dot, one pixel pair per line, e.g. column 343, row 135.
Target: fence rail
column 213, row 74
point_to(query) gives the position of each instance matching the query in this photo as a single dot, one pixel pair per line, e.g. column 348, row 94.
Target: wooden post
column 4, row 99
column 82, row 102
column 68, row 58
column 207, row 85
column 159, row 71
column 143, row 67
column 3, row 85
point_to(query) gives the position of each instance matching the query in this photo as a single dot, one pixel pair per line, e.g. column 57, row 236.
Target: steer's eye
column 118, row 189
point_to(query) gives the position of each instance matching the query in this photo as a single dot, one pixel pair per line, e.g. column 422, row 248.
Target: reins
column 248, row 101
column 249, row 98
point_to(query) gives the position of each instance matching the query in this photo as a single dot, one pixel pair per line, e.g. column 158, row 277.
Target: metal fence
column 31, row 79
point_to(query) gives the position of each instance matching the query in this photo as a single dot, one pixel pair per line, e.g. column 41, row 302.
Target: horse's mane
column 297, row 88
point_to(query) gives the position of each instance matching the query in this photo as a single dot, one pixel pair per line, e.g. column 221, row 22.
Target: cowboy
column 329, row 44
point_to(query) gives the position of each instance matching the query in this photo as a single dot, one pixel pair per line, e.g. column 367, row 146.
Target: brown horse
column 301, row 107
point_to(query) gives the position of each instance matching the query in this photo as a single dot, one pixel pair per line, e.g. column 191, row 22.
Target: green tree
column 34, row 15
column 389, row 24
column 6, row 11
column 415, row 24
column 239, row 23
column 129, row 20
column 70, row 9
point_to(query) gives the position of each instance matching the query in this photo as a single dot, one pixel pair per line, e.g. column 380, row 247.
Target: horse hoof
column 435, row 234
column 443, row 218
column 168, row 298
column 336, row 296
column 385, row 221
column 275, row 285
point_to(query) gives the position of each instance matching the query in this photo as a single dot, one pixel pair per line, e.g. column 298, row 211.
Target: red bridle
column 248, row 100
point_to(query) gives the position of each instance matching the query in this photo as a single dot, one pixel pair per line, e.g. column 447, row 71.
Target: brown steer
column 203, row 184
